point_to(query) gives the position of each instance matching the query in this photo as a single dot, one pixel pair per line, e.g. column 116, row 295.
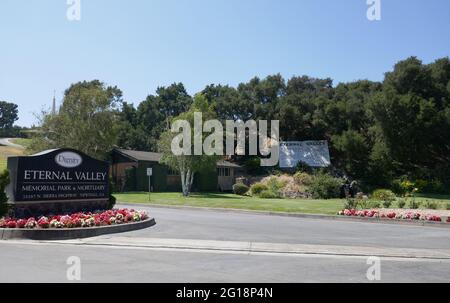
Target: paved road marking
column 248, row 247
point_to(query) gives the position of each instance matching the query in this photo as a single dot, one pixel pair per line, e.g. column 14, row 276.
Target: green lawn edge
column 231, row 201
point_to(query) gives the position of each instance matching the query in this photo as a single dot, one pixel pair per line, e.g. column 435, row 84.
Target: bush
column 387, row 204
column 448, row 206
column 384, row 195
column 403, row 186
column 301, row 178
column 351, row 203
column 431, row 205
column 401, row 203
column 275, row 184
column 421, row 185
column 257, row 188
column 413, row 204
column 374, row 204
column 4, row 181
column 240, row 189
column 268, row 194
column 324, row 186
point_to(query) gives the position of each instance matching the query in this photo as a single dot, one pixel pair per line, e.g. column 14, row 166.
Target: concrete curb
column 299, row 215
column 260, row 247
column 72, row 233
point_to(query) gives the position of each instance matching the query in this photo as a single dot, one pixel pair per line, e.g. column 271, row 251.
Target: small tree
column 188, row 165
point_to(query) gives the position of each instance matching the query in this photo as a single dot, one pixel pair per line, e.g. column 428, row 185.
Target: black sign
column 58, row 175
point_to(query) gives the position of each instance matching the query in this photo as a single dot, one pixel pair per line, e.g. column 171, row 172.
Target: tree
column 141, row 127
column 87, row 120
column 188, row 165
column 8, row 115
column 413, row 115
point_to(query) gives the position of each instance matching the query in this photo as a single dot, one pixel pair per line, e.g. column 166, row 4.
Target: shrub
column 421, row 185
column 401, row 203
column 257, row 188
column 384, row 195
column 268, row 194
column 351, row 203
column 324, row 186
column 407, row 186
column 4, row 181
column 431, row 205
column 275, row 184
column 413, row 204
column 240, row 189
column 448, row 206
column 374, row 204
column 303, row 178
column 387, row 204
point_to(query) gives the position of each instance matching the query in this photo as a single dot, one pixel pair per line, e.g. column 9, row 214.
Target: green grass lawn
column 221, row 200
column 231, row 201
column 22, row 141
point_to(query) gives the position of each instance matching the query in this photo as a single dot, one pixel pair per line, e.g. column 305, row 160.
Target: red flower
column 43, row 222
column 21, row 223
column 11, row 224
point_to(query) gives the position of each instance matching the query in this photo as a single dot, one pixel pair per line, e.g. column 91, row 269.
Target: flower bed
column 392, row 215
column 77, row 220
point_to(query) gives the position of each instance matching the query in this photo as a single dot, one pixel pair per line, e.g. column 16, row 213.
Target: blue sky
column 139, row 45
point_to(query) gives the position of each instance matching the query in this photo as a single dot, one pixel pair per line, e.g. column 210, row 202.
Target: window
column 224, row 171
column 172, row 172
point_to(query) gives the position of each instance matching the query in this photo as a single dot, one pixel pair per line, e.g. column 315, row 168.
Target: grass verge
column 230, row 201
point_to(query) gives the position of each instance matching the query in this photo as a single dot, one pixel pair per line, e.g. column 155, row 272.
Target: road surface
column 214, row 246
column 7, row 142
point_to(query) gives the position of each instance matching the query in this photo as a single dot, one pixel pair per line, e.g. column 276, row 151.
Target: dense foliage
column 381, row 133
column 87, row 120
column 325, row 186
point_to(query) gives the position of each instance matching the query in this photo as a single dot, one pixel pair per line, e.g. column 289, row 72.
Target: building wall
column 206, row 181
column 226, row 183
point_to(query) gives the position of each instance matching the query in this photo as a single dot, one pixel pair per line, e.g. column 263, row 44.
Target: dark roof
column 156, row 157
column 140, row 155
column 223, row 163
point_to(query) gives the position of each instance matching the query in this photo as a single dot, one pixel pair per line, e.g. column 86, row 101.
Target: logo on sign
column 68, row 159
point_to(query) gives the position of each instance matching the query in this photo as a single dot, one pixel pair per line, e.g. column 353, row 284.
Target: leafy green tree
column 413, row 115
column 188, row 165
column 8, row 115
column 353, row 152
column 87, row 120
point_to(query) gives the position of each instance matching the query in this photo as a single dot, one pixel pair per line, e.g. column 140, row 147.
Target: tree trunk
column 183, row 183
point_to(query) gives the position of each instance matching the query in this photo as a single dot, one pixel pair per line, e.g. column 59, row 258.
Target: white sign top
column 149, row 172
column 313, row 153
column 68, row 159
